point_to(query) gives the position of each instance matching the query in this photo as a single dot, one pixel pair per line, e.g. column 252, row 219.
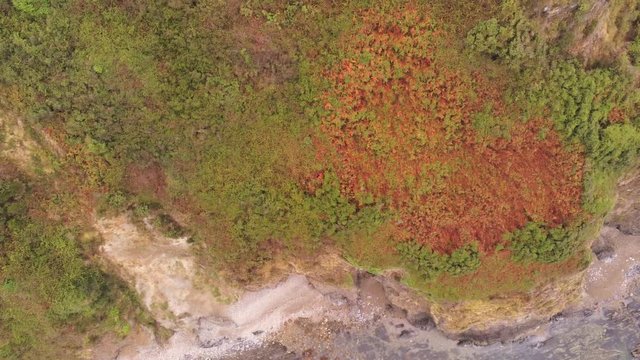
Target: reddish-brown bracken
column 401, row 128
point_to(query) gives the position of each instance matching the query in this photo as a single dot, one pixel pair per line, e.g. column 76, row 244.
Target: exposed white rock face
column 161, row 269
column 164, row 273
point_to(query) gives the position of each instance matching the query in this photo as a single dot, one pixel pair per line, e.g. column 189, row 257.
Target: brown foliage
column 400, row 127
column 149, row 180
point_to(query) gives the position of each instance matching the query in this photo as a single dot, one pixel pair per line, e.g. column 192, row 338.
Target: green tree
column 618, row 146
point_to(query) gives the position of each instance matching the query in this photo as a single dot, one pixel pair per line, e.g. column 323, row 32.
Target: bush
column 168, row 226
column 32, row 7
column 463, row 260
column 537, row 242
column 112, row 202
column 430, row 264
column 581, row 100
column 581, row 103
column 618, row 147
column 489, row 126
column 511, row 38
column 294, row 218
column 599, row 194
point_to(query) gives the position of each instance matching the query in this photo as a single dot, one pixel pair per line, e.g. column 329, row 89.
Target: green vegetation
column 496, row 276
column 597, row 110
column 634, row 51
column 300, row 221
column 429, row 264
column 488, row 126
column 168, row 226
column 46, row 286
column 281, row 128
column 510, row 38
column 12, row 207
column 593, row 109
column 582, row 104
column 536, row 242
column 233, row 129
column 32, row 7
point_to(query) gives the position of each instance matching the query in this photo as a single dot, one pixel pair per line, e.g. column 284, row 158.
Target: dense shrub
column 236, row 100
column 510, row 38
column 32, row 7
column 582, row 104
column 169, row 226
column 488, row 126
column 618, row 146
column 537, row 242
column 222, row 110
column 434, row 141
column 430, row 264
column 295, row 219
column 594, row 109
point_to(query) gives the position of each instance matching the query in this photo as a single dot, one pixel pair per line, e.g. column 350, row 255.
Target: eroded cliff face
column 204, row 315
column 625, row 216
column 486, row 321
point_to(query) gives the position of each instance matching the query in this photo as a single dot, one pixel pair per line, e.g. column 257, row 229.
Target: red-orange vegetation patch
column 8, row 170
column 617, row 115
column 401, row 127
